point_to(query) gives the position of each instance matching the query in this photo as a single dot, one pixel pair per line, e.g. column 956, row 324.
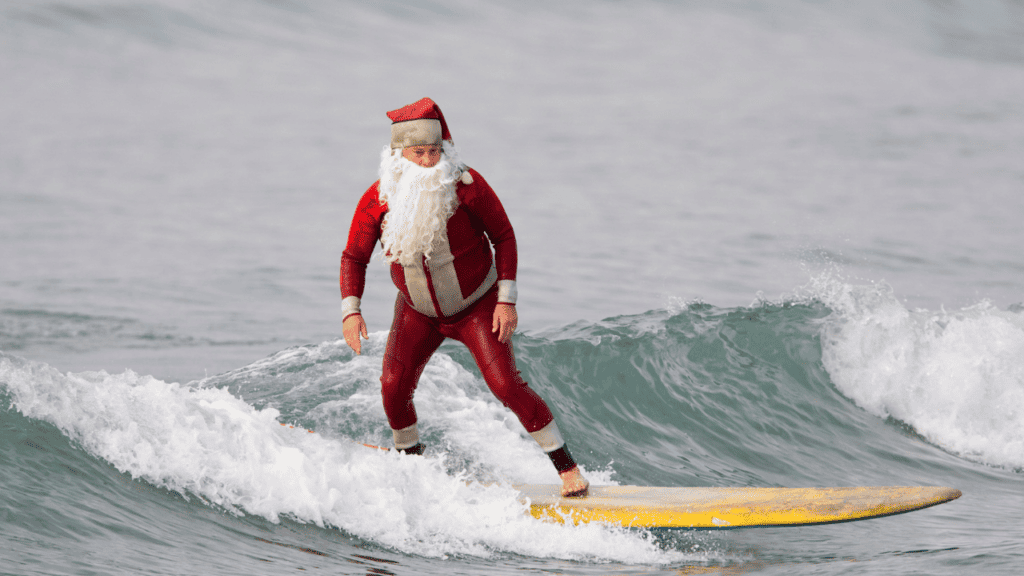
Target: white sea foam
column 455, row 404
column 957, row 377
column 207, row 443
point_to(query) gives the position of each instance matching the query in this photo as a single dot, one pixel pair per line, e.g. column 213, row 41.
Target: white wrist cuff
column 349, row 306
column 507, row 292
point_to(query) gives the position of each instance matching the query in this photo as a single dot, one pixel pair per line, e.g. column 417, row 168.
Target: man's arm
column 484, row 204
column 363, row 235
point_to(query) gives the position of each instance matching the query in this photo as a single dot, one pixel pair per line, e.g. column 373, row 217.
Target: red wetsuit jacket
column 461, row 268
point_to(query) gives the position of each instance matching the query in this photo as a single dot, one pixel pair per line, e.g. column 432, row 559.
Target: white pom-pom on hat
column 467, row 178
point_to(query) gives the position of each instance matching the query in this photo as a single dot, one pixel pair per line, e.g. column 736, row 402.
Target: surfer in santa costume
column 437, row 221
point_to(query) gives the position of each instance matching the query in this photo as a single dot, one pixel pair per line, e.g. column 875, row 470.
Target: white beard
column 420, row 201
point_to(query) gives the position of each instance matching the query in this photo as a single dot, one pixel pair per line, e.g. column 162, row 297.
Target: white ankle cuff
column 406, row 437
column 549, row 437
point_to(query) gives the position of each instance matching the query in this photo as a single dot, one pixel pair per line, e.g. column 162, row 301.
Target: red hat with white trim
column 418, row 124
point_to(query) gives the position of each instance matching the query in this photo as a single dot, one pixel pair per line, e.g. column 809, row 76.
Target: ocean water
column 761, row 244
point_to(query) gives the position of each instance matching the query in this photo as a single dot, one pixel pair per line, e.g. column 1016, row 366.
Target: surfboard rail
column 724, row 508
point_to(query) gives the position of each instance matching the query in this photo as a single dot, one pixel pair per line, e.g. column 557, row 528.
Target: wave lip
column 956, row 377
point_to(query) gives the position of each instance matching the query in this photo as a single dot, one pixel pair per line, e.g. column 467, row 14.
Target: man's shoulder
column 472, row 183
column 372, row 193
column 370, row 200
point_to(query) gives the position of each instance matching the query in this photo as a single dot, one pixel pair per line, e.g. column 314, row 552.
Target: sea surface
column 760, row 244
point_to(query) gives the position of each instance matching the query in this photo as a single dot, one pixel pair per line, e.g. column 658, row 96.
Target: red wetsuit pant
column 413, row 339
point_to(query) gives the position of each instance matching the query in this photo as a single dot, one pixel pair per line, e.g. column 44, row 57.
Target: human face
column 425, row 156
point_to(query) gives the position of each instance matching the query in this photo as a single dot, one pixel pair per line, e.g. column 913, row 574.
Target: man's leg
column 411, row 343
column 498, row 365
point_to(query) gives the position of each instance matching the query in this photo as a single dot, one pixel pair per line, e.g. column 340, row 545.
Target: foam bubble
column 956, row 377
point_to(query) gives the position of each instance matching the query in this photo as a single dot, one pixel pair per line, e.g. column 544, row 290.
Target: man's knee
column 391, row 376
column 510, row 388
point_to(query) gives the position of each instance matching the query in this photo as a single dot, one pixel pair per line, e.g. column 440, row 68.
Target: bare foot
column 574, row 485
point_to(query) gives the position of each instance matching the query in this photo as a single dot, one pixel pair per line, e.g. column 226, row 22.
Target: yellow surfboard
column 717, row 508
column 720, row 508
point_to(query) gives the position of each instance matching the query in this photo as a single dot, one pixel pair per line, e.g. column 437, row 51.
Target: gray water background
column 177, row 179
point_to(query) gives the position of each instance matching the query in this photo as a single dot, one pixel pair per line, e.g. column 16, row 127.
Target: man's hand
column 352, row 328
column 505, row 321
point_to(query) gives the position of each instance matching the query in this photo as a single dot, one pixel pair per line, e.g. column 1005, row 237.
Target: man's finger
column 506, row 331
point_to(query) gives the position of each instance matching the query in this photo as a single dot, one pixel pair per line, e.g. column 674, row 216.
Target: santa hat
column 418, row 124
